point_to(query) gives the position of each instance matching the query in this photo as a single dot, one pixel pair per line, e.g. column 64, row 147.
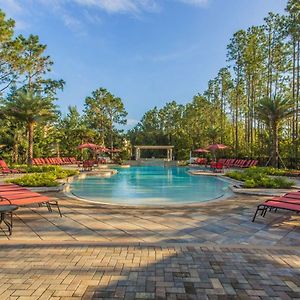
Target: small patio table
column 6, row 216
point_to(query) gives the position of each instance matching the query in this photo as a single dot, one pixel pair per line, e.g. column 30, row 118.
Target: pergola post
column 137, row 153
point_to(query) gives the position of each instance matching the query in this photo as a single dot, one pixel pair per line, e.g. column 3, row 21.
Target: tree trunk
column 275, row 158
column 16, row 147
column 16, row 151
column 30, row 142
column 111, row 139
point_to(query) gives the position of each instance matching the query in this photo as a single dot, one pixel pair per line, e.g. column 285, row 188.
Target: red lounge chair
column 213, row 165
column 34, row 161
column 5, row 169
column 219, row 167
column 275, row 204
column 16, row 195
column 247, row 164
column 254, row 163
column 237, row 163
column 73, row 160
column 229, row 163
column 65, row 160
column 242, row 162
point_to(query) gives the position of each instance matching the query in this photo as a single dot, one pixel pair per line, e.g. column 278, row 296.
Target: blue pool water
column 150, row 186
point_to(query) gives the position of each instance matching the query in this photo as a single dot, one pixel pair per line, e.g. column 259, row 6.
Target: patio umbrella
column 215, row 147
column 102, row 149
column 88, row 146
column 201, row 150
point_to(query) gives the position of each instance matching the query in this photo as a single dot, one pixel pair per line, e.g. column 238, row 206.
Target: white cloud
column 22, row 10
column 120, row 6
column 12, row 6
column 132, row 122
column 15, row 10
column 195, row 2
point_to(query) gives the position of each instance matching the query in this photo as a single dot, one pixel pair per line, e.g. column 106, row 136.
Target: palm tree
column 31, row 108
column 273, row 112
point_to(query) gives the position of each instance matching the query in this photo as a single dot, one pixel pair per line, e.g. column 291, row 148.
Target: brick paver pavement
column 91, row 271
column 222, row 222
column 212, row 251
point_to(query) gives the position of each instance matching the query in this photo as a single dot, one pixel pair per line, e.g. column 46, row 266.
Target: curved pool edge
column 154, row 206
column 227, row 195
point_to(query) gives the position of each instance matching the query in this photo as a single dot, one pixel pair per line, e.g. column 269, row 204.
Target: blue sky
column 147, row 52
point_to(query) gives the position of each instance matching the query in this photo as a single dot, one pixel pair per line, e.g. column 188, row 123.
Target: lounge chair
column 290, row 201
column 19, row 196
column 5, row 169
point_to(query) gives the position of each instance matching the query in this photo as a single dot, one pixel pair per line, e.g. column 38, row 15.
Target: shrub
column 36, row 179
column 41, row 169
column 64, row 173
column 259, row 177
column 48, row 178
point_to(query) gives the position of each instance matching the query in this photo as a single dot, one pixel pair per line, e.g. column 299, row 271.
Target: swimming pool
column 150, row 186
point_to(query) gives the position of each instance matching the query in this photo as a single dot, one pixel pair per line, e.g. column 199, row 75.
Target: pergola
column 143, row 147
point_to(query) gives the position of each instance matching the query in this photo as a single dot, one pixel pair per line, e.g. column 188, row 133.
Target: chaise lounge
column 11, row 194
column 290, row 202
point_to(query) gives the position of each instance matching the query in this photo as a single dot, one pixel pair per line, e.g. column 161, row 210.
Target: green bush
column 259, row 177
column 64, row 173
column 48, row 178
column 41, row 169
column 36, row 179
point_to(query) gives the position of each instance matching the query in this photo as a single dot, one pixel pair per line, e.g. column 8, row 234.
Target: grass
column 259, row 177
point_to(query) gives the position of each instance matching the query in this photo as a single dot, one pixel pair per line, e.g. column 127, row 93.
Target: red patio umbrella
column 102, row 149
column 201, row 150
column 215, row 147
column 88, row 146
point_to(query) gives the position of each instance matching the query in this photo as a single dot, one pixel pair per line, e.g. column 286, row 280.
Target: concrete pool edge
column 67, row 192
column 234, row 187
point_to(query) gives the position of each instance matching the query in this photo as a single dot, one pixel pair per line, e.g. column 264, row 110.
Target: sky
column 148, row 52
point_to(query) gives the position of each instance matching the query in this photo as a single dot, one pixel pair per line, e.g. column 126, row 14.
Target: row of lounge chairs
column 238, row 163
column 289, row 201
column 230, row 163
column 55, row 161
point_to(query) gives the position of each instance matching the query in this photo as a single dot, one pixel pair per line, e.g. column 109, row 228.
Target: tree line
column 252, row 105
column 31, row 124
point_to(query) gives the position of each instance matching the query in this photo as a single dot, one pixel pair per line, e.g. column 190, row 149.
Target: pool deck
column 212, row 251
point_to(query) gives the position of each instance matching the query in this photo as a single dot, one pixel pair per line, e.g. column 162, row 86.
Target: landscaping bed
column 42, row 176
column 263, row 177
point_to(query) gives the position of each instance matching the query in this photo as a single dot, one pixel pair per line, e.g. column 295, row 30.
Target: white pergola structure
column 143, row 147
